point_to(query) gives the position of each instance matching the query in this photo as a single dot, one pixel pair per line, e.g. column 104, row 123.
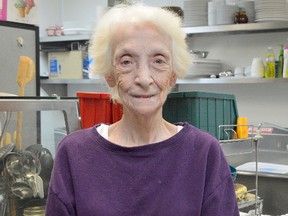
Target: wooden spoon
column 26, row 73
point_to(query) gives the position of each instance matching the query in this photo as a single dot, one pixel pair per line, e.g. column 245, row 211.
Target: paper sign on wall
column 24, row 11
column 3, row 9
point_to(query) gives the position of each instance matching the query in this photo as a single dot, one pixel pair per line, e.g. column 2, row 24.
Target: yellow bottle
column 242, row 128
column 270, row 63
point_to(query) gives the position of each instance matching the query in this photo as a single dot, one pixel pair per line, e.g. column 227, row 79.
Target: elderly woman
column 141, row 165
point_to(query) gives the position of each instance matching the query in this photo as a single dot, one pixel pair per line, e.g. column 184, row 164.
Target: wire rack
column 231, row 137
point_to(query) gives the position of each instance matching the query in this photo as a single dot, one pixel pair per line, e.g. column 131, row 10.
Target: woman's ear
column 110, row 79
column 173, row 79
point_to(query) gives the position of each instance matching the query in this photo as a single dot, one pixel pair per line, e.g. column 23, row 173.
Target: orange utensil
column 26, row 73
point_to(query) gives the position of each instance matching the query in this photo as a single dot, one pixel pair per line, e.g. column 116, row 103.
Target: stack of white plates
column 212, row 13
column 271, row 10
column 226, row 14
column 248, row 7
column 195, row 13
column 204, row 68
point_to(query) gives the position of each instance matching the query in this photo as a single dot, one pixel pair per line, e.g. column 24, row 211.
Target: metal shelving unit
column 239, row 28
column 234, row 28
column 230, row 132
column 180, row 81
column 62, row 41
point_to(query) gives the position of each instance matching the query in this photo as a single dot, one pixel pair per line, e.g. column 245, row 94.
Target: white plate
column 264, row 167
column 271, row 19
column 76, row 31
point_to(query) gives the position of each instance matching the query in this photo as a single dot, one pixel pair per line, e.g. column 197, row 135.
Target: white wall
column 81, row 14
column 70, row 13
column 50, row 13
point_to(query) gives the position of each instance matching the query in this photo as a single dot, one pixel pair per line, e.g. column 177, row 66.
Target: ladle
column 31, row 165
column 22, row 190
column 46, row 161
column 13, row 164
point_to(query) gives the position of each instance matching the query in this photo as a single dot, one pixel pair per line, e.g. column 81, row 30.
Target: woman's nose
column 144, row 75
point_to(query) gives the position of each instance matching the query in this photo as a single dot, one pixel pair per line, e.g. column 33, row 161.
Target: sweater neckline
column 101, row 141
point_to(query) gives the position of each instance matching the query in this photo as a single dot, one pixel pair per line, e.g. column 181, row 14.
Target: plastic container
column 270, row 63
column 280, row 62
column 285, row 62
column 202, row 109
column 233, row 172
column 242, row 128
column 94, row 108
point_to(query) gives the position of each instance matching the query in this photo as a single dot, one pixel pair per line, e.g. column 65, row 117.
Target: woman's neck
column 137, row 132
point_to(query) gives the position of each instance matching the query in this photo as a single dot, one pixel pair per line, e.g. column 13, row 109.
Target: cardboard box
column 67, row 65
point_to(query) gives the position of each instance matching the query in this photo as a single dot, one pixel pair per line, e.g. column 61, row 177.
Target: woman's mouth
column 143, row 96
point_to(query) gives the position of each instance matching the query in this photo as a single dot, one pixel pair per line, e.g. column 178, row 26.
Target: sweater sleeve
column 222, row 201
column 219, row 198
column 55, row 207
column 60, row 200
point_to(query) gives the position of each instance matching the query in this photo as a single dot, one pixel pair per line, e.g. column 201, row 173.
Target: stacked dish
column 212, row 13
column 195, row 13
column 271, row 10
column 202, row 68
column 248, row 7
column 225, row 14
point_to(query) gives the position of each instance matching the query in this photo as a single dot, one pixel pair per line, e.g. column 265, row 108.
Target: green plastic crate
column 204, row 110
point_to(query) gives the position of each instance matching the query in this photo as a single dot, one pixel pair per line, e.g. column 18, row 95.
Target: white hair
column 167, row 22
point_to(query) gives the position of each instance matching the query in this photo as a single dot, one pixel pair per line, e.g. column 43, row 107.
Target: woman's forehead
column 147, row 35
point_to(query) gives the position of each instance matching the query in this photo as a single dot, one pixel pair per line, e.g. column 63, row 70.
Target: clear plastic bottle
column 270, row 63
column 280, row 62
column 285, row 61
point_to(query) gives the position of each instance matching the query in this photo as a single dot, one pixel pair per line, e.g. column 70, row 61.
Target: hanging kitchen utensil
column 26, row 73
column 46, row 161
column 2, row 133
column 22, row 190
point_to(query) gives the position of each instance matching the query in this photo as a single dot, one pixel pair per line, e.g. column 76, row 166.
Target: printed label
column 53, row 67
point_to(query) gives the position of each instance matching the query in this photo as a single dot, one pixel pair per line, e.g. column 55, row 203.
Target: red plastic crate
column 97, row 108
column 94, row 108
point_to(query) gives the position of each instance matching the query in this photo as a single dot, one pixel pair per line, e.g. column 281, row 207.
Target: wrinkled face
column 142, row 68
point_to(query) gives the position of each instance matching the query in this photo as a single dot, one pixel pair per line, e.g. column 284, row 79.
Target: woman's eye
column 126, row 62
column 159, row 61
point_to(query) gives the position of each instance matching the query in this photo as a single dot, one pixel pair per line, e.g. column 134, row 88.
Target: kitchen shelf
column 72, row 81
column 76, row 37
column 234, row 28
column 239, row 28
column 232, row 80
column 180, row 81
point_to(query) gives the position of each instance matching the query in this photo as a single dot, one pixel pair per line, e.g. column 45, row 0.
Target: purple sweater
column 185, row 175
